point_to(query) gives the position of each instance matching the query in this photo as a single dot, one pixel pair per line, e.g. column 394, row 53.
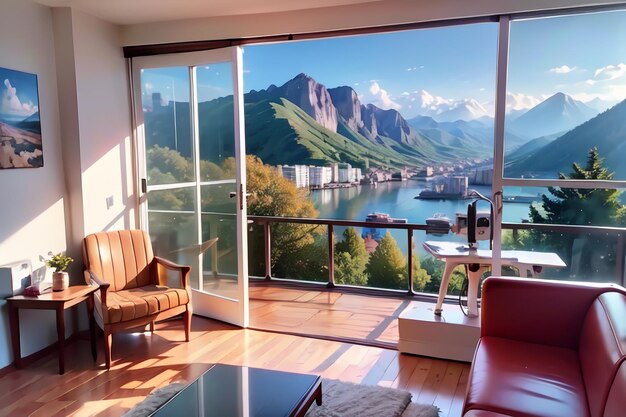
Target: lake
column 397, row 198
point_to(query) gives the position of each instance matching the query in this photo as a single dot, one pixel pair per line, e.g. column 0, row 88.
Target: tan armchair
column 136, row 287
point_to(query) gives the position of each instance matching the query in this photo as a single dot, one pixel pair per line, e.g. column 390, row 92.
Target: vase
column 60, row 281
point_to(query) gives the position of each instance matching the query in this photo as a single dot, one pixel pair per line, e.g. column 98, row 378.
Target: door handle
column 233, row 194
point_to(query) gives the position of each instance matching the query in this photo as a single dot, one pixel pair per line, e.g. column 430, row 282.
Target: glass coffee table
column 238, row 391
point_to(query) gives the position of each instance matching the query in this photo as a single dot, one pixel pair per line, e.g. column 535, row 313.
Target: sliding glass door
column 190, row 135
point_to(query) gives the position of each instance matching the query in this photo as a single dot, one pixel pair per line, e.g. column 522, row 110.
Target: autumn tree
column 420, row 276
column 273, row 195
column 351, row 259
column 387, row 267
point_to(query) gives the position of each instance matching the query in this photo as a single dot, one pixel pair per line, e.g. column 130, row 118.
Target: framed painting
column 20, row 125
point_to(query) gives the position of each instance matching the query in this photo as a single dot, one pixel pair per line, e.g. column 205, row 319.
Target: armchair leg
column 187, row 320
column 108, row 341
column 151, row 327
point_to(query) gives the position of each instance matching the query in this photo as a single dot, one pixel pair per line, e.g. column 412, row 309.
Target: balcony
column 319, row 304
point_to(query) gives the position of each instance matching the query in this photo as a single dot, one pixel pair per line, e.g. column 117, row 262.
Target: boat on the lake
column 439, row 224
column 377, row 233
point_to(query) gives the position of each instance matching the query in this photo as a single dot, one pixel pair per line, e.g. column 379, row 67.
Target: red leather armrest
column 538, row 311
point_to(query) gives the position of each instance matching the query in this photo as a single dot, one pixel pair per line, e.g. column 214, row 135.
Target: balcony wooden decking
column 329, row 314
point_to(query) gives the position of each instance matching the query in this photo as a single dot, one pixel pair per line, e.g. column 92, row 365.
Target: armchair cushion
column 126, row 305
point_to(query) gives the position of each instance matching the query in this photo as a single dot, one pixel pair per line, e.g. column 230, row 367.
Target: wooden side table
column 58, row 301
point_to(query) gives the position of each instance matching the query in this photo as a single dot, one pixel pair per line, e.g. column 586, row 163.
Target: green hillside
column 607, row 132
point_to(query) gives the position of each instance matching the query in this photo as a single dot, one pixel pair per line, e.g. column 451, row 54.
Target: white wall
column 85, row 118
column 371, row 14
column 33, row 200
column 104, row 125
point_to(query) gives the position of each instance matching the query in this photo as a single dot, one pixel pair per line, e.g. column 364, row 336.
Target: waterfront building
column 346, row 174
column 320, row 176
column 298, row 174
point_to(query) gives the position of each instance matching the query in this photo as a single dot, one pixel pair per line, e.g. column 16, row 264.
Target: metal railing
column 266, row 222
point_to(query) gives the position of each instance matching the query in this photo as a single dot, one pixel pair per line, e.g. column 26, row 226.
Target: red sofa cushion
column 484, row 413
column 526, row 380
column 602, row 348
column 616, row 403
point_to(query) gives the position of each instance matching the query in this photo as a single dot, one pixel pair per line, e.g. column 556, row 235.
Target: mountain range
column 606, row 131
column 304, row 122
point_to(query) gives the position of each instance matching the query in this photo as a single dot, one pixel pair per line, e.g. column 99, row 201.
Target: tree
column 351, row 259
column 599, row 206
column 434, row 268
column 387, row 265
column 420, row 275
column 273, row 195
column 575, row 206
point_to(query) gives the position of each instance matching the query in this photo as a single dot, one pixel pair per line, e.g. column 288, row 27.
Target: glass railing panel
column 299, row 251
column 588, row 256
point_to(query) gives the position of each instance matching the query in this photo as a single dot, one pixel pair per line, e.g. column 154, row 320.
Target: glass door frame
column 235, row 311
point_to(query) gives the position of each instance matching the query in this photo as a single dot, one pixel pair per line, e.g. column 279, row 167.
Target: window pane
column 400, row 133
column 565, row 96
column 362, row 133
column 165, row 103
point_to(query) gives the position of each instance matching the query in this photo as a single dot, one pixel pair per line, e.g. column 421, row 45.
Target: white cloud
column 521, row 101
column 563, row 69
column 148, row 86
column 610, row 72
column 11, row 103
column 382, row 98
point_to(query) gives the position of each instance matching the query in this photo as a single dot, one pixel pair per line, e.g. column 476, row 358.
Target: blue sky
column 18, row 93
column 429, row 71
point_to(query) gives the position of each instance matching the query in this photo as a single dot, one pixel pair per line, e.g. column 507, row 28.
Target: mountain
column 558, row 113
column 605, row 131
column 600, row 105
column 477, row 134
column 529, row 147
column 32, row 123
column 348, row 106
column 465, row 110
column 303, row 122
column 306, row 93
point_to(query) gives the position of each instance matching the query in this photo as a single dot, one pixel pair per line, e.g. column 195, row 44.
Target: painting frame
column 20, row 122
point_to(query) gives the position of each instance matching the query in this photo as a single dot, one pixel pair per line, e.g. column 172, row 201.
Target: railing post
column 331, row 256
column 268, row 250
column 410, row 260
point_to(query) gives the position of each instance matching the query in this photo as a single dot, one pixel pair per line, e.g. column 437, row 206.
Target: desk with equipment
column 424, row 330
column 478, row 261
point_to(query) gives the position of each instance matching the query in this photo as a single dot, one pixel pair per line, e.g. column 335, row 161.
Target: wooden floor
column 144, row 361
column 352, row 317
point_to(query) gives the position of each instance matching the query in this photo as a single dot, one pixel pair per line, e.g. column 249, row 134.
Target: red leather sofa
column 549, row 349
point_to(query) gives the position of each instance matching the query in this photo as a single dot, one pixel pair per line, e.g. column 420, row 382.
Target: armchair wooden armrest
column 102, row 285
column 183, row 269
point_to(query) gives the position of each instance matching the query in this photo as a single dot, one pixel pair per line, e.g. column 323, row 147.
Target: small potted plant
column 60, row 278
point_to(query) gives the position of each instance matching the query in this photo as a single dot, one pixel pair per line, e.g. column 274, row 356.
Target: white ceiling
column 125, row 12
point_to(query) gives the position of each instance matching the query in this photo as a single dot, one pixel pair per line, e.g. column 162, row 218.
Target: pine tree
column 599, row 206
column 577, row 206
column 387, row 267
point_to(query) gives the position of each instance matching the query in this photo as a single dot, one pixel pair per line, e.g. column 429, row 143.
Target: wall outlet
column 110, row 202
